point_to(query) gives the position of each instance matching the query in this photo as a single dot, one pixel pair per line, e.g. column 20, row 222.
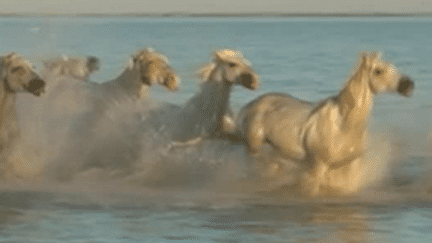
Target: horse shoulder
column 319, row 129
column 228, row 122
column 325, row 137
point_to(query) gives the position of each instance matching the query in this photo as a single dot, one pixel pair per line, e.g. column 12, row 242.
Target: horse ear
column 364, row 58
column 205, row 71
column 10, row 55
column 217, row 56
column 378, row 55
column 134, row 59
column 7, row 59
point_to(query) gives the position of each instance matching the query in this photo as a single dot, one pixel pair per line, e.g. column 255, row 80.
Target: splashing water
column 82, row 162
column 73, row 135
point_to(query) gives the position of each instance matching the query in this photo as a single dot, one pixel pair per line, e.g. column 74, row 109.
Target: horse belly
column 285, row 124
column 286, row 139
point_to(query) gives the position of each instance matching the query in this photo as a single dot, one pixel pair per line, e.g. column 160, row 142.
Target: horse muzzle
column 93, row 63
column 172, row 83
column 36, row 86
column 146, row 80
column 406, row 86
column 249, row 81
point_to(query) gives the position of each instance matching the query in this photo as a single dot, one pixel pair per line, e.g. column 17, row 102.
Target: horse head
column 18, row 75
column 384, row 77
column 230, row 67
column 155, row 69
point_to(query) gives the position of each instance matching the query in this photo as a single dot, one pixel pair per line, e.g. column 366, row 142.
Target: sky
column 205, row 6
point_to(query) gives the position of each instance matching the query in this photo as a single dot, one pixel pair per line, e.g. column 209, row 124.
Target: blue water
column 309, row 58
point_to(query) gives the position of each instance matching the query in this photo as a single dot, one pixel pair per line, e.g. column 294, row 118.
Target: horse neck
column 355, row 102
column 219, row 90
column 130, row 83
column 223, row 102
column 7, row 105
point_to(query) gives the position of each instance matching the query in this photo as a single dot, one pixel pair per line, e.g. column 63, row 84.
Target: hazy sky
column 205, row 6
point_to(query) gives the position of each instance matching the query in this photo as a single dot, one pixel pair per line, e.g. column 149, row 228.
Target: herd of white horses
column 323, row 137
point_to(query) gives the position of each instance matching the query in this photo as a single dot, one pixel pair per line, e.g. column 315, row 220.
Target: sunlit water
column 108, row 173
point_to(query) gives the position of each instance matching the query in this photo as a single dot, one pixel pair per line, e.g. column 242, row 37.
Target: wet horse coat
column 17, row 75
column 208, row 113
column 323, row 135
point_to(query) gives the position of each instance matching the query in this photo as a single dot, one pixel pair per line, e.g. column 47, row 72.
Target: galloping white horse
column 114, row 105
column 327, row 134
column 147, row 67
column 208, row 113
column 78, row 68
column 66, row 83
column 17, row 75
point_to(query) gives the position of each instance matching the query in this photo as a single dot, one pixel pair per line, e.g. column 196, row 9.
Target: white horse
column 147, row 68
column 208, row 113
column 78, row 68
column 17, row 75
column 67, row 83
column 114, row 106
column 327, row 134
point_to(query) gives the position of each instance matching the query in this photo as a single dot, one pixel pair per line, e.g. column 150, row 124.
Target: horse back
column 274, row 103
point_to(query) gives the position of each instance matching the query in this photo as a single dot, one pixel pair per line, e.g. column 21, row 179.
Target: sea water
column 119, row 179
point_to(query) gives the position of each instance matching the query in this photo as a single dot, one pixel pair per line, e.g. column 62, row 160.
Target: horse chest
column 329, row 142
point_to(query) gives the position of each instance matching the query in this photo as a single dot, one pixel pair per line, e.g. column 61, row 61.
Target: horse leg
column 228, row 122
column 191, row 142
column 316, row 177
column 226, row 128
column 229, row 129
column 254, row 135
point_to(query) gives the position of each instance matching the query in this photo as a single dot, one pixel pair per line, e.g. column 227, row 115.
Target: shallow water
column 107, row 175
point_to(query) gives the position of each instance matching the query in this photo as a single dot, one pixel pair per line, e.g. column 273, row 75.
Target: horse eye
column 377, row 72
column 231, row 64
column 17, row 69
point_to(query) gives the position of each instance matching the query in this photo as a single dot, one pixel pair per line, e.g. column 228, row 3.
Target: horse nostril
column 406, row 86
column 171, row 83
column 248, row 80
column 146, row 80
column 93, row 63
column 36, row 86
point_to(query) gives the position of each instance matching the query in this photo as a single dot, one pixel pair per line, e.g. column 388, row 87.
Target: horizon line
column 220, row 14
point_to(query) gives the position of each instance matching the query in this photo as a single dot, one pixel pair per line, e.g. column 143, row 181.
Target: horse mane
column 228, row 55
column 2, row 64
column 346, row 94
column 128, row 84
column 150, row 55
column 205, row 72
column 364, row 60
